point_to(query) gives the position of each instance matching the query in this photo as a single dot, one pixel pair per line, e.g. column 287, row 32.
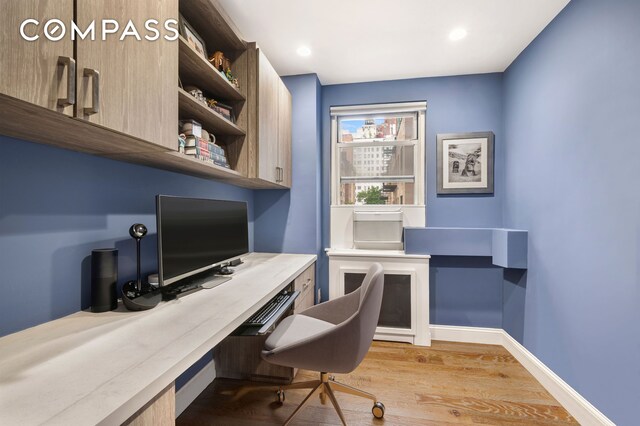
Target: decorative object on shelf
column 191, row 128
column 223, row 64
column 223, row 109
column 196, row 93
column 217, row 60
column 136, row 295
column 231, row 78
column 182, row 142
column 192, row 37
column 465, row 163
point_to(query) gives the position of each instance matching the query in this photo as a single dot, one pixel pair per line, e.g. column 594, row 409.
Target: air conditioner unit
column 380, row 230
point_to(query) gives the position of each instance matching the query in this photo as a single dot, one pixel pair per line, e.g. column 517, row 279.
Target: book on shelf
column 207, row 151
column 225, row 110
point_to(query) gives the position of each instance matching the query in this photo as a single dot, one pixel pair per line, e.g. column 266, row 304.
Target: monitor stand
column 215, row 281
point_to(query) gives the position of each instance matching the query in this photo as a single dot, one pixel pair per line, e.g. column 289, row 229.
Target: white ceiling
column 370, row 40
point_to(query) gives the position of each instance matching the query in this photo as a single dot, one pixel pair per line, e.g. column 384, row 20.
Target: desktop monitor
column 195, row 235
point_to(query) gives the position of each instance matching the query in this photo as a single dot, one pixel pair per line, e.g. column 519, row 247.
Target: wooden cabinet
column 267, row 116
column 251, row 366
column 305, row 284
column 40, row 72
column 119, row 96
column 284, row 134
column 270, row 122
column 129, row 85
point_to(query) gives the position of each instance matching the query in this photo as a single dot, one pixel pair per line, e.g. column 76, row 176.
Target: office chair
column 332, row 337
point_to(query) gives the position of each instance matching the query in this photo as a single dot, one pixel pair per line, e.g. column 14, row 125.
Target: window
column 378, row 154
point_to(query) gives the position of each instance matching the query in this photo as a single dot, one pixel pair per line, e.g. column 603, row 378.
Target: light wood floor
column 445, row 384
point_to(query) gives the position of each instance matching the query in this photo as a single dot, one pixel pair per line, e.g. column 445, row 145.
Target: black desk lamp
column 137, row 231
column 135, row 296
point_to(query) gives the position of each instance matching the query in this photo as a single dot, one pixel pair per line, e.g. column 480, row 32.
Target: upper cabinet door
column 268, row 88
column 284, row 134
column 41, row 71
column 129, row 85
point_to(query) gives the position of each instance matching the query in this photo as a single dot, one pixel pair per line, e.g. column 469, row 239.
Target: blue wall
column 454, row 104
column 572, row 108
column 56, row 206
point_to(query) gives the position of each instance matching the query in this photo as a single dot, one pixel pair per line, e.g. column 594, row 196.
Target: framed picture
column 192, row 37
column 465, row 163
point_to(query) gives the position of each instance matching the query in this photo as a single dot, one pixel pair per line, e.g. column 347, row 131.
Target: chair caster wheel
column 378, row 410
column 280, row 396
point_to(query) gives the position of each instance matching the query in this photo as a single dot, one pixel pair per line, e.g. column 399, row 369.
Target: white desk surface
column 90, row 368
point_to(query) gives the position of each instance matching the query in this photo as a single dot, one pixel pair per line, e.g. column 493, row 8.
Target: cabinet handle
column 95, row 86
column 70, row 65
column 281, row 174
column 278, row 174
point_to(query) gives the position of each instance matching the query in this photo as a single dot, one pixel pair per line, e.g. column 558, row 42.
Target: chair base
column 326, row 386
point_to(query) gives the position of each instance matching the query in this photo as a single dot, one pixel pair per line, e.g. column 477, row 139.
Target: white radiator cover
column 394, row 262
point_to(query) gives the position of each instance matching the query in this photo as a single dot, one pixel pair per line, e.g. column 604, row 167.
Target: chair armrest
column 337, row 310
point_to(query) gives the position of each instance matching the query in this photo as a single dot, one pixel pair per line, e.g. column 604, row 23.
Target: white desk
column 90, row 368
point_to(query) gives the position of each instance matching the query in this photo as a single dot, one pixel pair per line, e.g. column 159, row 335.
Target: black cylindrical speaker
column 104, row 279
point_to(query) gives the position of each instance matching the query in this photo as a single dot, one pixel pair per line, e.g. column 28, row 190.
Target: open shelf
column 190, row 108
column 197, row 71
column 203, row 168
column 186, row 164
column 213, row 26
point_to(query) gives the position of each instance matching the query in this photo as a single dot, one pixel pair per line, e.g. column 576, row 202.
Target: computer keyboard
column 263, row 316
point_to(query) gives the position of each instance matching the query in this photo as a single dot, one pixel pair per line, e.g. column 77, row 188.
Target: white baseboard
column 581, row 409
column 450, row 333
column 194, row 387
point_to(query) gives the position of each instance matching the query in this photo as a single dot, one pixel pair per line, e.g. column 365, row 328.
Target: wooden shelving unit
column 171, row 62
column 197, row 71
column 189, row 107
column 218, row 34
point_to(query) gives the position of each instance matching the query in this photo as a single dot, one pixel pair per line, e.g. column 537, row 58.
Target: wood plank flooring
column 445, row 384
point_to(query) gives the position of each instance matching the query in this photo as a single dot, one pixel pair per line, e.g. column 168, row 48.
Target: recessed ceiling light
column 457, row 34
column 303, row 51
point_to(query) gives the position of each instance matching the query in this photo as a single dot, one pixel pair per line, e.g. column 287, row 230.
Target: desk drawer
column 306, row 281
column 304, row 302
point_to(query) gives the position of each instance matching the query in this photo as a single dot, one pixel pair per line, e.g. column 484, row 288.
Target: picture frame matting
column 465, row 163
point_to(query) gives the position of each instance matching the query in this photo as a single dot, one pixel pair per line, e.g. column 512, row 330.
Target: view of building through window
column 377, row 159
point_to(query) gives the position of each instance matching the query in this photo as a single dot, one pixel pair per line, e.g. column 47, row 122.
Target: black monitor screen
column 196, row 234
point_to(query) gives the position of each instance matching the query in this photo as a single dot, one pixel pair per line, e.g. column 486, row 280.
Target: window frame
column 367, row 111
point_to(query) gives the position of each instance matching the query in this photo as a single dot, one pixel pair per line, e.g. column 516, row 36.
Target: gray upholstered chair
column 332, row 337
